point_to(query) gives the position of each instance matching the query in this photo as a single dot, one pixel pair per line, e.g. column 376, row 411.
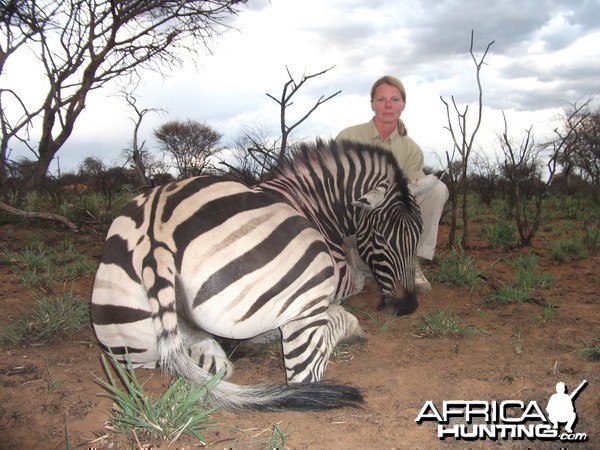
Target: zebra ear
column 371, row 199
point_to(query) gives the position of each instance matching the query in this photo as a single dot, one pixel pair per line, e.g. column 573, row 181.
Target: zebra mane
column 320, row 152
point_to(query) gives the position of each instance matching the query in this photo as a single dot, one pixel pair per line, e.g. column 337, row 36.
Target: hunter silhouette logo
column 509, row 419
column 560, row 407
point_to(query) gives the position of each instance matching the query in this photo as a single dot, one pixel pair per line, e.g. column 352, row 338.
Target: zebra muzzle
column 399, row 306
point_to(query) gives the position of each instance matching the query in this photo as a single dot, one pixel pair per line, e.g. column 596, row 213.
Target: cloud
column 544, row 55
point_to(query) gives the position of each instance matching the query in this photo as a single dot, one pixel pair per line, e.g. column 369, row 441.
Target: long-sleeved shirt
column 407, row 152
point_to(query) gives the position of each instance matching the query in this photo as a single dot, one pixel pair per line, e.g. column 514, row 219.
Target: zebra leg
column 358, row 270
column 354, row 333
column 308, row 343
column 205, row 351
column 210, row 356
column 358, row 280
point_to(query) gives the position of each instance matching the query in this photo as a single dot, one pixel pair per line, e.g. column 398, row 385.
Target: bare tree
column 521, row 170
column 190, row 144
column 576, row 146
column 290, row 88
column 588, row 156
column 20, row 23
column 137, row 154
column 565, row 145
column 83, row 45
column 255, row 155
column 463, row 142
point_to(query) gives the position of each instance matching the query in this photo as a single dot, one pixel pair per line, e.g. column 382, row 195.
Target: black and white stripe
column 210, row 255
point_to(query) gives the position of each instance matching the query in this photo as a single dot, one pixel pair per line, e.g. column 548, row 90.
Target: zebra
column 209, row 256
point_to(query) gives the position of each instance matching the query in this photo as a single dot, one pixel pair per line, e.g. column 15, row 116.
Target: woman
column 386, row 129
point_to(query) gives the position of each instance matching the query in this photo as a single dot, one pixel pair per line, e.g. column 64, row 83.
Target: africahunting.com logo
column 509, row 419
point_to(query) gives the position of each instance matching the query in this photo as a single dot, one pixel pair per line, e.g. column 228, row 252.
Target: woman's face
column 387, row 104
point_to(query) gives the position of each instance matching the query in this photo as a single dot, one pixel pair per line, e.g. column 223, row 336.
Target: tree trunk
column 465, row 214
column 140, row 169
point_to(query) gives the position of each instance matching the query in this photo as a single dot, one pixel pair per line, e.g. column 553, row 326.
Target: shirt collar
column 374, row 134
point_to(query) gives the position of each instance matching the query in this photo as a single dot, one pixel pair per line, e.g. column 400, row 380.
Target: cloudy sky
column 545, row 56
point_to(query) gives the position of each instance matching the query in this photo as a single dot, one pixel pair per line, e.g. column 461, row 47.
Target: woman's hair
column 392, row 81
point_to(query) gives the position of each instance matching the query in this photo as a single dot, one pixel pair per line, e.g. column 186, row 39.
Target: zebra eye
column 380, row 239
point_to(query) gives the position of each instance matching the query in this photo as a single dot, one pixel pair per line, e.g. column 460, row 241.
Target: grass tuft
column 383, row 321
column 569, row 248
column 548, row 312
column 39, row 265
column 277, row 439
column 529, row 275
column 499, row 235
column 590, row 350
column 509, row 294
column 442, row 322
column 517, row 343
column 529, row 278
column 51, row 319
column 180, row 410
column 457, row 269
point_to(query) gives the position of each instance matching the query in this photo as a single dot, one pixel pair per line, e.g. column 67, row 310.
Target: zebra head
column 388, row 229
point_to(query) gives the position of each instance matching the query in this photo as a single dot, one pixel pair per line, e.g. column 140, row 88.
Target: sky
column 545, row 56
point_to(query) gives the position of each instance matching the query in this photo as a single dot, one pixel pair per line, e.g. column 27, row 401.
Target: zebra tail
column 317, row 396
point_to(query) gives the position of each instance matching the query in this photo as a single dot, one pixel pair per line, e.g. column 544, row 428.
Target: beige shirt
column 407, row 152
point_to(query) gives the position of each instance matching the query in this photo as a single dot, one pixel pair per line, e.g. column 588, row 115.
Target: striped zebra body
column 208, row 255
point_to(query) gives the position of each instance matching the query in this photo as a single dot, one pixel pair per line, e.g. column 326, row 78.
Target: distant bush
column 500, row 235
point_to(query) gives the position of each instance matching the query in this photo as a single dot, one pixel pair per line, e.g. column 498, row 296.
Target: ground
column 49, row 399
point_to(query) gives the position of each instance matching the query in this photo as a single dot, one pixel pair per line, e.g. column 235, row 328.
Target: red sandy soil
column 49, row 399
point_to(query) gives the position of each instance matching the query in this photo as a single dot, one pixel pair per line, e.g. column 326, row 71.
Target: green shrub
column 7, row 218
